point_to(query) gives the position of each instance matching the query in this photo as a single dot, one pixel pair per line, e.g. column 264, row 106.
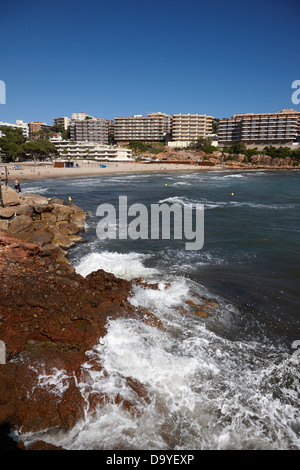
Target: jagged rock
column 49, row 318
column 9, row 196
column 62, row 212
column 56, row 200
column 20, row 223
column 63, row 241
column 39, row 208
column 4, row 225
column 49, row 217
column 34, row 199
column 41, row 445
column 69, row 227
column 7, row 212
column 23, row 209
column 40, row 220
column 42, row 237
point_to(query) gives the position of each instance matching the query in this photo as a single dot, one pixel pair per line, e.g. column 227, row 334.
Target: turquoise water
column 228, row 381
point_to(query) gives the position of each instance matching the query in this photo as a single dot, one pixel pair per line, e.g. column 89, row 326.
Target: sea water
column 228, row 381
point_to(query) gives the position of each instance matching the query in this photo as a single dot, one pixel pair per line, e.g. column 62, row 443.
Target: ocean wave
column 184, row 201
column 34, row 190
column 204, row 391
column 126, row 266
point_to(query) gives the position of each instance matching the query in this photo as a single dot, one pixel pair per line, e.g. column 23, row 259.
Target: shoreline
column 42, row 171
column 25, row 171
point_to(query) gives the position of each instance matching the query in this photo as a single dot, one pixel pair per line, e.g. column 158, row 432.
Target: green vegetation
column 50, row 131
column 13, row 146
column 139, row 147
column 274, row 152
column 11, row 141
column 215, row 124
column 202, row 145
column 38, row 150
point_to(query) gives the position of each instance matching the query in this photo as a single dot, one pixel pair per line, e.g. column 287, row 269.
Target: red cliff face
column 49, row 317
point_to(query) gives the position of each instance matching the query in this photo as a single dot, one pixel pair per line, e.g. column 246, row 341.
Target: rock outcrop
column 50, row 223
column 50, row 316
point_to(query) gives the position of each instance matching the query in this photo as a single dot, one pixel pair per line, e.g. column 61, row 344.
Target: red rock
column 50, row 316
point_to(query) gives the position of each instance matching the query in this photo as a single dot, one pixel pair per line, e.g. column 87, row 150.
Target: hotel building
column 260, row 130
column 189, row 127
column 155, row 127
column 90, row 130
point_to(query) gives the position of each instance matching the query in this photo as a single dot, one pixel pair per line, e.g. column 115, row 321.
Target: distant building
column 90, row 130
column 80, row 116
column 62, row 121
column 189, row 127
column 91, row 150
column 152, row 128
column 17, row 125
column 36, row 126
column 261, row 129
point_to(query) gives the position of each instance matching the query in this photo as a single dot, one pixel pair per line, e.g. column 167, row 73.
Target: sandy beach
column 26, row 171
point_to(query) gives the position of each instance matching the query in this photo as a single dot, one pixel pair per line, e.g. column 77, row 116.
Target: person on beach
column 17, row 186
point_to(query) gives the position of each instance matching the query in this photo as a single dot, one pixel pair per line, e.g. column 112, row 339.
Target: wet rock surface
column 50, row 316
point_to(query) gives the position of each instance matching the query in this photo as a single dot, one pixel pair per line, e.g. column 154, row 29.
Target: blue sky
column 119, row 58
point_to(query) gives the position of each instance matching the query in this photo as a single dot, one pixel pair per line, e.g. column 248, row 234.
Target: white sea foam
column 34, row 190
column 204, row 391
column 221, row 204
column 123, row 265
column 233, row 176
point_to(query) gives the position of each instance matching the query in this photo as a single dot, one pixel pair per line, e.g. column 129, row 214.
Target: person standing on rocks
column 17, row 186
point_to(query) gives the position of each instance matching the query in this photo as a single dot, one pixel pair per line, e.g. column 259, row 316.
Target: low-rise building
column 91, row 150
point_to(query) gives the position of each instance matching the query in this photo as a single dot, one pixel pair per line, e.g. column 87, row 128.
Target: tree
column 215, row 124
column 11, row 142
column 38, row 149
column 202, row 145
column 238, row 148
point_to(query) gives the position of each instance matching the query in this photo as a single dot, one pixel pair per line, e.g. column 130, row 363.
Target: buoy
column 70, row 199
column 232, row 194
column 166, row 184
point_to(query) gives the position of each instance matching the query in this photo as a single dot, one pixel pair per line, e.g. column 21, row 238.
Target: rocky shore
column 49, row 315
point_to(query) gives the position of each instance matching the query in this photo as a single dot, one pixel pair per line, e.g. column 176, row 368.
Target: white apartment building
column 189, row 127
column 152, row 128
column 91, row 150
column 80, row 116
column 19, row 124
column 62, row 121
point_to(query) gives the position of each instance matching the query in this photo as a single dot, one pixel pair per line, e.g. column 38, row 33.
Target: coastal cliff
column 50, row 316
